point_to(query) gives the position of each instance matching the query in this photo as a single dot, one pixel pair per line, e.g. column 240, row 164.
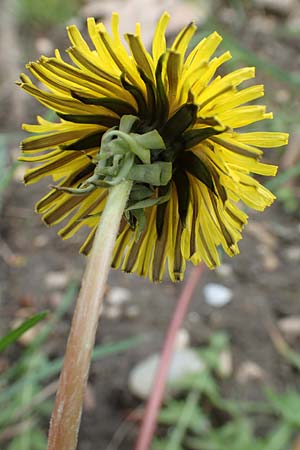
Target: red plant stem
column 155, row 400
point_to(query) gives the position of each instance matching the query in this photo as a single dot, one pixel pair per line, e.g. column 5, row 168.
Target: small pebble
column 141, row 377
column 118, row 296
column 217, row 295
column 57, row 280
column 132, row 311
column 225, row 364
column 40, row 240
column 293, row 254
column 182, row 339
column 112, row 312
column 290, row 326
column 250, row 371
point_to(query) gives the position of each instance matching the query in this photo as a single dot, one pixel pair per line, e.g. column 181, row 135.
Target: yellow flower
column 198, row 115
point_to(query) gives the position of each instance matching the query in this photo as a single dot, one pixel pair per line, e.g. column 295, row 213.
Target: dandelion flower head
column 190, row 118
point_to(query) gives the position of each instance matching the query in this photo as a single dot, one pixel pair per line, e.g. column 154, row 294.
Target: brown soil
column 264, row 279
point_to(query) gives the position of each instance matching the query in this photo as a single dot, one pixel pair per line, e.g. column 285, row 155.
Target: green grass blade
column 18, row 367
column 178, row 433
column 52, row 368
column 283, row 177
column 15, row 334
column 58, row 313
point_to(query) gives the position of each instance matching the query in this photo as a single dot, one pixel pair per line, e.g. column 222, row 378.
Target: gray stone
column 118, row 296
column 141, row 377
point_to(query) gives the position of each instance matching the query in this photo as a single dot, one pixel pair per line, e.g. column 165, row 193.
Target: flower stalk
column 66, row 415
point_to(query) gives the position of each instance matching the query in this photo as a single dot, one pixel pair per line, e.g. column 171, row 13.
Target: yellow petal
column 263, row 138
column 61, row 104
column 87, row 214
column 105, row 57
column 183, row 38
column 203, row 51
column 159, row 40
column 232, row 100
column 65, row 136
column 141, row 56
column 244, row 115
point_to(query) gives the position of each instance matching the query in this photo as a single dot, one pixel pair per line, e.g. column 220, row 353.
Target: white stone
column 141, row 377
column 112, row 312
column 118, row 296
column 217, row 295
column 41, row 240
column 250, row 371
column 225, row 364
column 182, row 339
column 293, row 253
column 57, row 280
column 132, row 311
column 290, row 326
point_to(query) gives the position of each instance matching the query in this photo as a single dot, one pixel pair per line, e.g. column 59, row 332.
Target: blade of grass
column 12, row 431
column 29, row 408
column 280, row 438
column 7, row 176
column 42, row 336
column 283, row 177
column 15, row 334
column 52, row 368
column 23, row 396
column 177, row 435
column 27, row 394
column 291, row 356
column 58, row 313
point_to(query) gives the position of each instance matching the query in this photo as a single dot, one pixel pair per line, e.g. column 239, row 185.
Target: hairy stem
column 66, row 415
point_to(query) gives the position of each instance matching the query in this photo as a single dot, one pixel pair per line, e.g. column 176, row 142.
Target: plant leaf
column 15, row 334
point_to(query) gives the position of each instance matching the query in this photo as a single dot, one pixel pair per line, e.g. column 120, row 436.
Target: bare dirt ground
column 264, row 280
column 36, row 267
